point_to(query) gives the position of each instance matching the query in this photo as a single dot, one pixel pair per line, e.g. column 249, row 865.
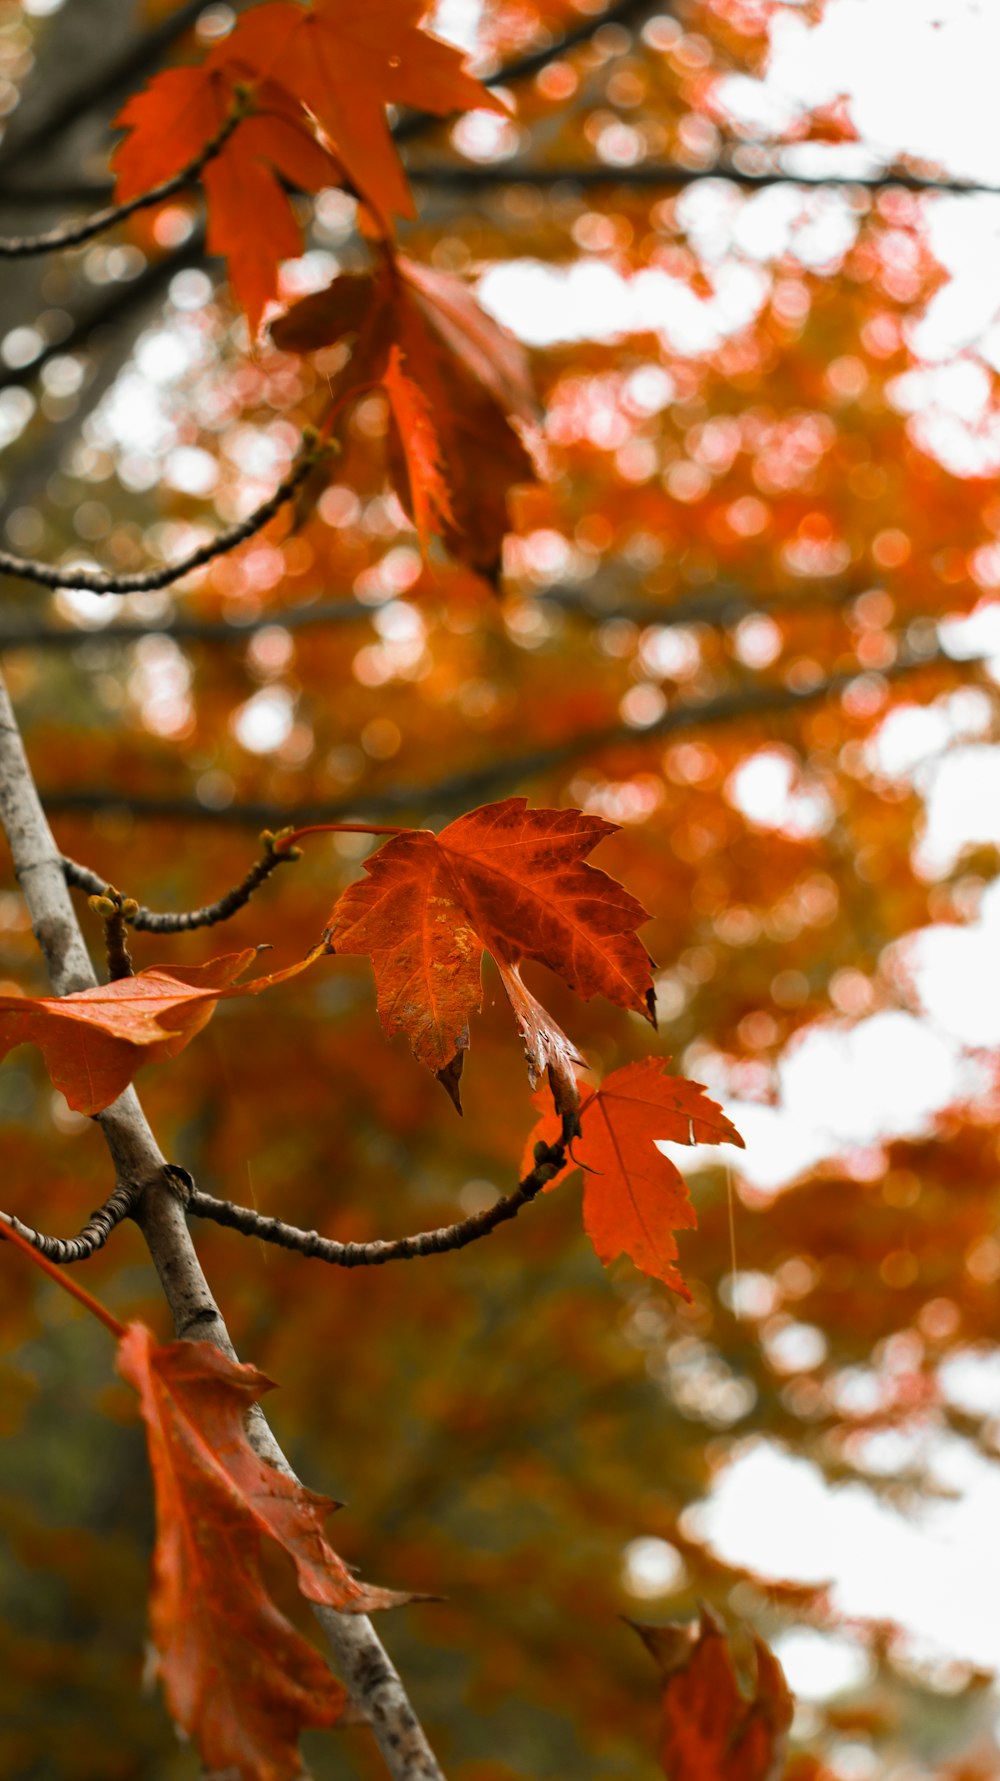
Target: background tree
column 727, row 573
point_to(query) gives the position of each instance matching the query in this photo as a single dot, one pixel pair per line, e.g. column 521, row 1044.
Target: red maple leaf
column 711, row 1732
column 427, row 499
column 250, row 218
column 469, row 376
column 347, row 61
column 634, row 1197
column 505, row 880
column 94, row 1041
column 238, row 1677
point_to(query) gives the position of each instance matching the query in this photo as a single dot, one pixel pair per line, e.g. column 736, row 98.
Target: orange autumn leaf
column 239, row 1679
column 429, row 501
column 94, row 1041
column 347, row 62
column 711, row 1731
column 251, row 222
column 505, row 880
column 467, row 377
column 634, row 1197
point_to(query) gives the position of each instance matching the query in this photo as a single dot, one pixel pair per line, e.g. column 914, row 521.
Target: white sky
column 922, row 79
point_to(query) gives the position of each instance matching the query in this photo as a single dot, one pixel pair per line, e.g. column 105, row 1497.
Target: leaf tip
column 450, row 1079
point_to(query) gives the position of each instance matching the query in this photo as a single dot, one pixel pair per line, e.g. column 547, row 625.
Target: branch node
column 244, row 100
column 115, row 912
column 153, row 921
column 549, row 1159
column 179, row 1182
column 272, row 843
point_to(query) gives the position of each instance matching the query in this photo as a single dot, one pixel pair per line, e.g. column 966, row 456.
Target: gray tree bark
column 361, row 1659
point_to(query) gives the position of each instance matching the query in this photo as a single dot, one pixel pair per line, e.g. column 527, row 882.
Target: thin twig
column 503, row 775
column 141, row 581
column 533, row 61
column 549, row 1160
column 22, row 247
column 156, row 921
column 95, row 1233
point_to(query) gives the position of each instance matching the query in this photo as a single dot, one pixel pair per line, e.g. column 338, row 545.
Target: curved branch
column 144, row 581
column 625, row 12
column 95, row 1233
column 154, row 921
column 549, row 1160
column 533, row 61
column 22, row 247
column 73, row 234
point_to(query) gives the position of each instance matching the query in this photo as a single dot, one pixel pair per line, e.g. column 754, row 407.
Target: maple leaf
column 711, row 1732
column 466, row 382
column 238, row 1677
column 94, row 1041
column 347, row 62
column 429, row 501
column 634, row 1197
column 251, row 222
column 505, row 880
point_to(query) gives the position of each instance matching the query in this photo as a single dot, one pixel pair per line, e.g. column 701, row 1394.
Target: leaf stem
column 288, row 838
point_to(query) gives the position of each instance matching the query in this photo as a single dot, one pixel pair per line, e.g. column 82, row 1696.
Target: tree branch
column 549, row 1160
column 366, row 1669
column 152, row 921
column 501, row 776
column 141, row 581
column 722, row 606
column 665, row 175
column 594, row 175
column 671, row 176
column 188, row 630
column 120, row 300
column 95, row 1233
column 408, row 129
column 22, row 247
